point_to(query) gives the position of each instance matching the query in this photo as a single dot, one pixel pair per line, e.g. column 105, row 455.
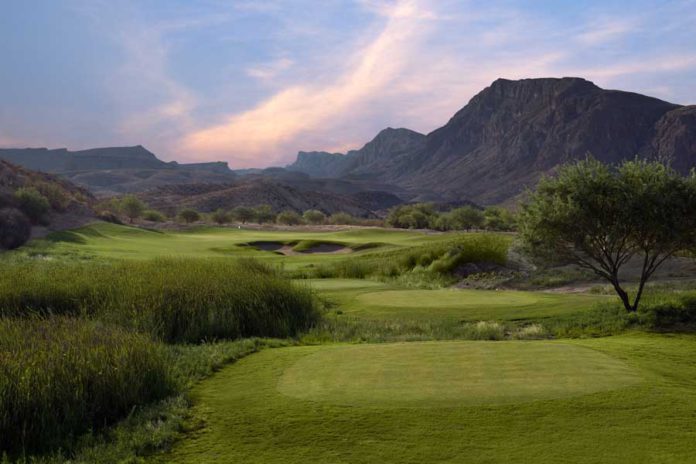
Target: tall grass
column 60, row 377
column 175, row 300
column 439, row 259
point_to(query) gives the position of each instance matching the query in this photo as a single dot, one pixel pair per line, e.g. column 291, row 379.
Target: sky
column 253, row 82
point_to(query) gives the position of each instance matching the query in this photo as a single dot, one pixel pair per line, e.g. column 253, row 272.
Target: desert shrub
column 314, row 216
column 176, row 300
column 189, row 216
column 220, row 216
column 154, row 216
column 61, row 377
column 15, row 228
column 289, row 218
column 485, row 330
column 55, row 195
column 530, row 332
column 341, row 218
column 108, row 216
column 32, row 203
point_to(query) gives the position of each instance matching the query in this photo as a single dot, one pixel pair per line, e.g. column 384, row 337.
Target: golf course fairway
column 533, row 401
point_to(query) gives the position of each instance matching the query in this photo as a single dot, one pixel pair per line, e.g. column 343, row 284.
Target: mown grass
column 61, row 377
column 248, row 419
column 175, row 300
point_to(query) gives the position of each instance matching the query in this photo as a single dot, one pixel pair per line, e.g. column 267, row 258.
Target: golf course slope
column 577, row 401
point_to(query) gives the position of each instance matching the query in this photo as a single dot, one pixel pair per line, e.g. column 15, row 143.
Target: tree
column 264, row 214
column 15, row 228
column 415, row 216
column 289, row 218
column 132, row 207
column 243, row 214
column 189, row 216
column 313, row 216
column 466, row 218
column 497, row 218
column 600, row 218
column 220, row 216
column 34, row 205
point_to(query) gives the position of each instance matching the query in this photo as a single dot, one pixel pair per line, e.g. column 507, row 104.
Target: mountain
column 379, row 154
column 512, row 132
column 116, row 169
column 254, row 191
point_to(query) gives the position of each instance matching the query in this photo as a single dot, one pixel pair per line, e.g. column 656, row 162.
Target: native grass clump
column 61, row 377
column 174, row 300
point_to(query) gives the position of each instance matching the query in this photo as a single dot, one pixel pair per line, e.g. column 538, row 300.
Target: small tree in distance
column 288, row 217
column 600, row 218
column 263, row 214
column 313, row 216
column 189, row 216
column 243, row 214
column 132, row 207
column 220, row 216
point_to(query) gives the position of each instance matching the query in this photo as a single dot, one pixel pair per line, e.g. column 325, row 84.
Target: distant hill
column 254, row 191
column 71, row 206
column 511, row 133
column 116, row 169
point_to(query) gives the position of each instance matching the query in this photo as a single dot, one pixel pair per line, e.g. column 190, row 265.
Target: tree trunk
column 623, row 295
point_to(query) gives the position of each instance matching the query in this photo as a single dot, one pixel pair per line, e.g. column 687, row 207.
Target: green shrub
column 34, row 205
column 55, row 195
column 176, row 300
column 341, row 218
column 15, row 228
column 61, row 377
column 415, row 216
column 154, row 216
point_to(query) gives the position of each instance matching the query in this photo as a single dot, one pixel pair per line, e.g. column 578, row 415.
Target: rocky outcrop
column 513, row 132
column 675, row 138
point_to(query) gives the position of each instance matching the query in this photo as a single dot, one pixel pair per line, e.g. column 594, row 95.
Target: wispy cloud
column 269, row 71
column 270, row 130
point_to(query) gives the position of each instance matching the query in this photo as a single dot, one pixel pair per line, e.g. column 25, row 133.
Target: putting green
column 452, row 373
column 467, row 305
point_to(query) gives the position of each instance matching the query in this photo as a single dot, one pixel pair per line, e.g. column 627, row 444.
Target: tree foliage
column 415, row 216
column 220, row 216
column 189, row 215
column 132, row 207
column 32, row 203
column 313, row 216
column 243, row 214
column 264, row 214
column 600, row 218
column 288, row 217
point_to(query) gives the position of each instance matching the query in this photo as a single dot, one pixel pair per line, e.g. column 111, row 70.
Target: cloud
column 269, row 71
column 264, row 134
column 607, row 30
